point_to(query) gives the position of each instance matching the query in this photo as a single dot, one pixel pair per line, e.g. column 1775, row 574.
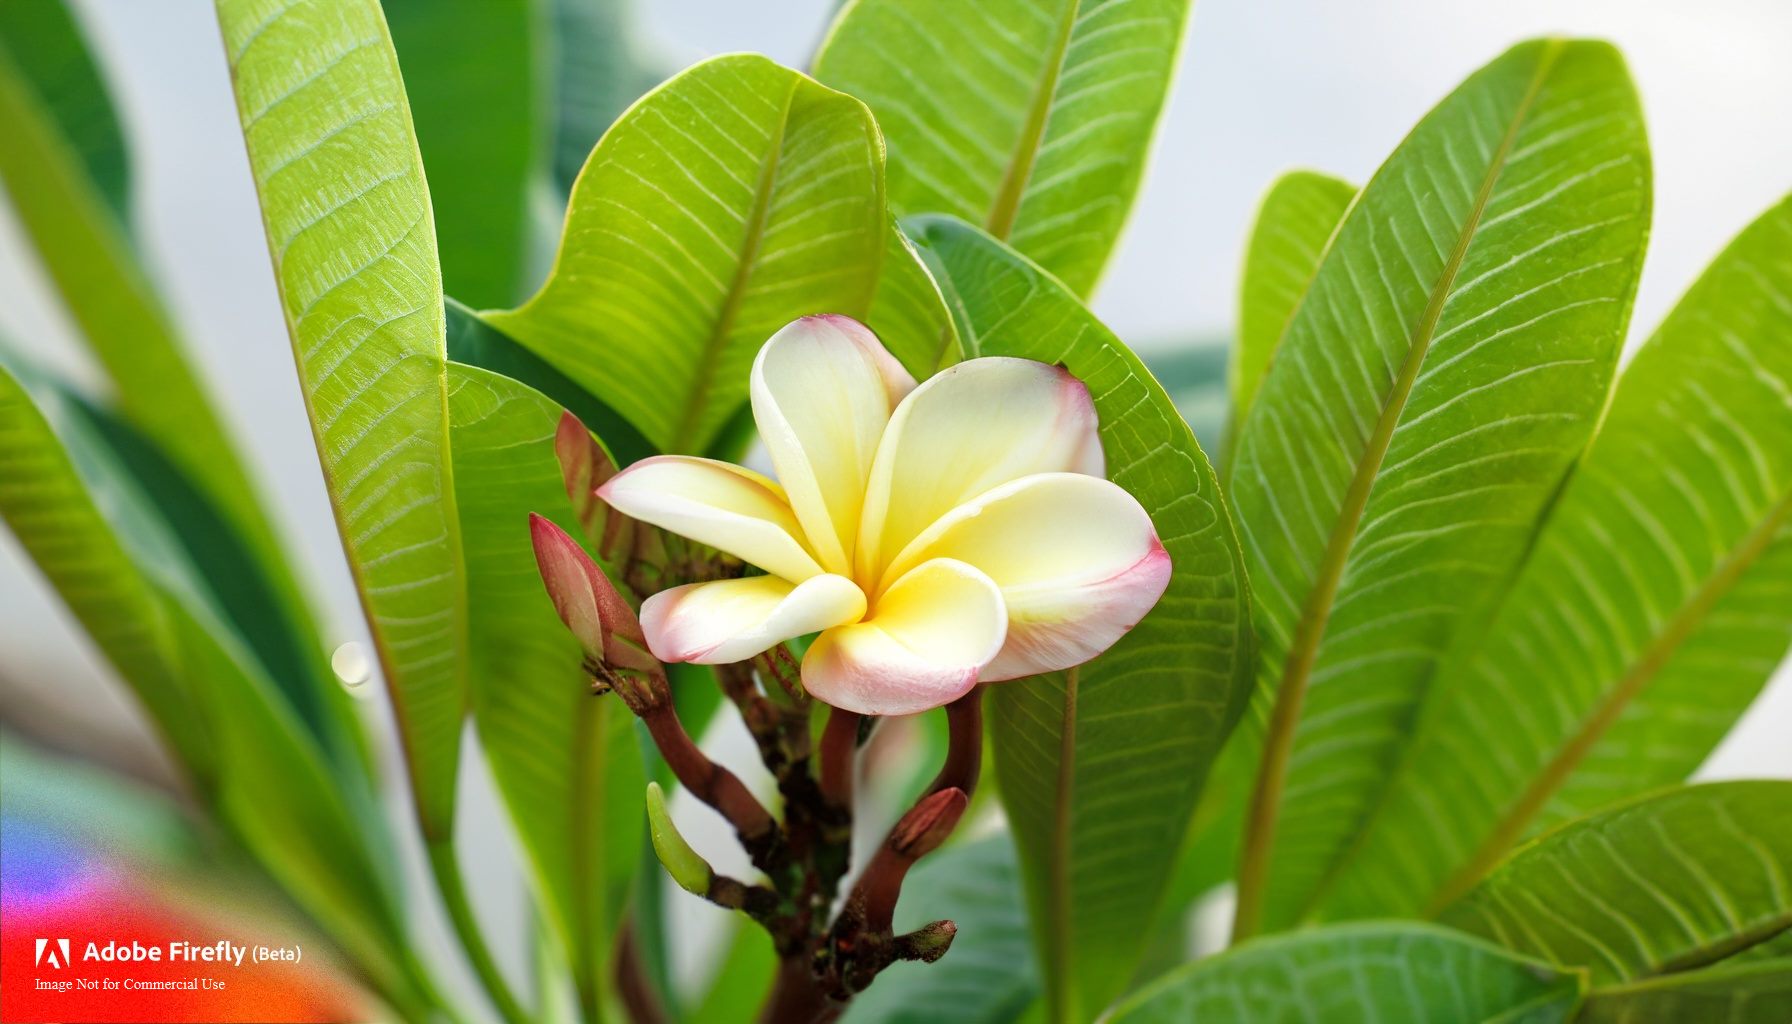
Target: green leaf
column 63, row 166
column 598, row 71
column 88, row 258
column 1777, row 948
column 1193, row 373
column 1441, row 375
column 45, row 502
column 1359, row 972
column 246, row 595
column 47, row 49
column 1742, row 993
column 1662, row 884
column 908, row 312
column 1031, row 119
column 742, row 980
column 728, row 202
column 986, row 977
column 566, row 762
column 473, row 341
column 123, row 578
column 309, row 838
column 471, row 74
column 348, row 222
column 1101, row 766
column 1652, row 610
column 1298, row 216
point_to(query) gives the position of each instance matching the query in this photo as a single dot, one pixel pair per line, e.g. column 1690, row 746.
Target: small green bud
column 692, row 873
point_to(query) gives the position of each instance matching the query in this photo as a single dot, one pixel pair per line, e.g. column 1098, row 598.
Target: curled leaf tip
column 692, row 873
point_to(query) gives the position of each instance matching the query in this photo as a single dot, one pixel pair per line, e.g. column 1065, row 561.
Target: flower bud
column 926, row 943
column 585, row 466
column 927, row 824
column 692, row 873
column 602, row 622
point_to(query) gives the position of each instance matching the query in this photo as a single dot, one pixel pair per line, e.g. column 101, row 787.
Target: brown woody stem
column 636, row 992
column 797, row 998
column 839, row 745
column 711, row 783
column 964, row 745
column 915, row 835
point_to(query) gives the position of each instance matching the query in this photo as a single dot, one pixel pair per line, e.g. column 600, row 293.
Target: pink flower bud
column 603, row 623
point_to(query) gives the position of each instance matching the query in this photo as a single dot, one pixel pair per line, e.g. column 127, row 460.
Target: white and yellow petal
column 1076, row 557
column 969, row 428
column 823, row 389
column 923, row 645
column 726, row 621
column 727, row 507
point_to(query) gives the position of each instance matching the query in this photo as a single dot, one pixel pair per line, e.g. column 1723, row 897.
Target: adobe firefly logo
column 53, row 952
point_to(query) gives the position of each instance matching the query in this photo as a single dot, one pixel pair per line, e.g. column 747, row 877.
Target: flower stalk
column 805, row 855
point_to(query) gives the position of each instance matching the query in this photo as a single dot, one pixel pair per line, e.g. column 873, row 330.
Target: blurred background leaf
column 988, row 975
column 475, row 75
column 98, row 539
column 66, row 171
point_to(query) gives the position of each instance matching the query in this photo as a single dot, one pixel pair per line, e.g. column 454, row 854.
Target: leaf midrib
column 1309, row 630
column 1006, row 205
column 703, row 380
column 433, row 827
column 1642, row 670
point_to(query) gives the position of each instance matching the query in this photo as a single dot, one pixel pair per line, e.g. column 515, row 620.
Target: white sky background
column 1266, row 86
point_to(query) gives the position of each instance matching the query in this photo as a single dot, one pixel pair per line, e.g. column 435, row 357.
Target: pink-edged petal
column 729, row 508
column 971, row 427
column 732, row 620
column 823, row 388
column 922, row 646
column 1076, row 557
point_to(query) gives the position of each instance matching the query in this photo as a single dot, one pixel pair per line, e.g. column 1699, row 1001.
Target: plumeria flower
column 934, row 536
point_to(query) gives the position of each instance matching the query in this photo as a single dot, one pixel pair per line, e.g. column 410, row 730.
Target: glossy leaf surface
column 1030, row 119
column 1375, row 973
column 733, row 199
column 1101, row 766
column 1649, row 616
column 348, row 220
column 1445, row 369
column 1662, row 884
